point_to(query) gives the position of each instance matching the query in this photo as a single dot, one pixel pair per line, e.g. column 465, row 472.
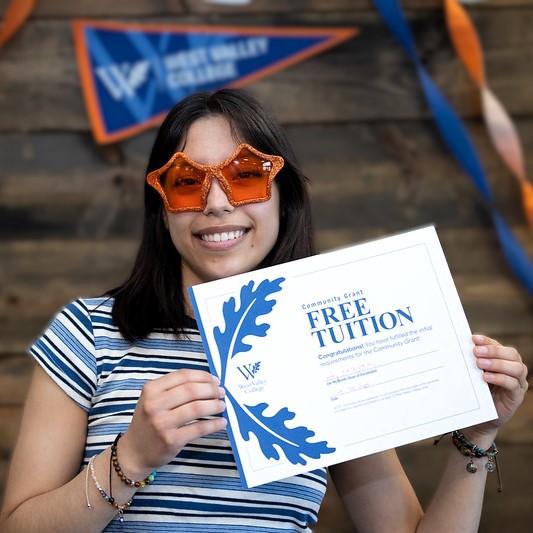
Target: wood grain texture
column 144, row 8
column 41, row 88
column 282, row 6
column 103, row 8
column 71, row 211
column 386, row 175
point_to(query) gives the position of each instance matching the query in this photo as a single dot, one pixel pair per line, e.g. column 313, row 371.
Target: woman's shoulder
column 84, row 313
column 95, row 303
column 94, row 316
column 89, row 305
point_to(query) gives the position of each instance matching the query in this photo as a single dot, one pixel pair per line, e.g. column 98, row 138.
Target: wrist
column 473, row 451
column 128, row 468
column 481, row 438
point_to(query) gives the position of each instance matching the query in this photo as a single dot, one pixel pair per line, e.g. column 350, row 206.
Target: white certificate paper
column 341, row 355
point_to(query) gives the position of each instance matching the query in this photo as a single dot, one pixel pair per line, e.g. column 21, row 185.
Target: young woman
column 122, row 428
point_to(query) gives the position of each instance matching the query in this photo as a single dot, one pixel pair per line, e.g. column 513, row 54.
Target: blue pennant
column 133, row 74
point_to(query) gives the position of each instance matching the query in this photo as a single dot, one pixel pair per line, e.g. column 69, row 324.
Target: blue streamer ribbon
column 458, row 141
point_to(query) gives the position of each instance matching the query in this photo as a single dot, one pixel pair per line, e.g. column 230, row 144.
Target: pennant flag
column 133, row 74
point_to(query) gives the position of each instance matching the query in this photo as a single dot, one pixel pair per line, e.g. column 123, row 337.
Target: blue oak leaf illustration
column 272, row 431
column 241, row 321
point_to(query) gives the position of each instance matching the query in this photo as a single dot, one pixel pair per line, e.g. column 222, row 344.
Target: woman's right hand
column 170, row 413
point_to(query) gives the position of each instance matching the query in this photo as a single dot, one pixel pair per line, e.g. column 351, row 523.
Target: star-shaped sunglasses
column 246, row 177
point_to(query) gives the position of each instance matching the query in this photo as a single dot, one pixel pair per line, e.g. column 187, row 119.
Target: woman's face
column 222, row 240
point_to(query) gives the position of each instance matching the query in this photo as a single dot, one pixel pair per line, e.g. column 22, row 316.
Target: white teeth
column 221, row 237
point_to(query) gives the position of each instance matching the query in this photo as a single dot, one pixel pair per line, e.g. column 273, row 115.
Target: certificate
column 341, row 355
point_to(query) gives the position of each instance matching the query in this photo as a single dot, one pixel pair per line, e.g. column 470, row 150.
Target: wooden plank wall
column 70, row 211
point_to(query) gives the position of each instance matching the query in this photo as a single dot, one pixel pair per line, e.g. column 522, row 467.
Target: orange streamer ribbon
column 16, row 14
column 501, row 129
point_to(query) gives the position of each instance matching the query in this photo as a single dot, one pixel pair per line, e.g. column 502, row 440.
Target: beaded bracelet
column 119, row 507
column 131, row 482
column 469, row 449
column 89, row 505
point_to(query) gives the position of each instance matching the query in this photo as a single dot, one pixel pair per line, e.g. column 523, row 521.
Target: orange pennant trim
column 499, row 124
column 16, row 14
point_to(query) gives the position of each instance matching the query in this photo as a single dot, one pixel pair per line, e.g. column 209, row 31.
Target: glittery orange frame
column 154, row 178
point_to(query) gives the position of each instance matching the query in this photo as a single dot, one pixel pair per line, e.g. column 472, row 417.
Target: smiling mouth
column 223, row 237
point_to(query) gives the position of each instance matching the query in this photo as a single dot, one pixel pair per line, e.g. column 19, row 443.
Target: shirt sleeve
column 66, row 352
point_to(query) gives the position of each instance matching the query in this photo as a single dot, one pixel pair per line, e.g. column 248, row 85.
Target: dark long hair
column 152, row 298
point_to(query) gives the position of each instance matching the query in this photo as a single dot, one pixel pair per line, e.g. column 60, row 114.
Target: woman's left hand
column 506, row 375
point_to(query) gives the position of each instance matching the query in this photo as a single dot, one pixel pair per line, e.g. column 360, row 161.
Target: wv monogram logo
column 123, row 79
column 249, row 371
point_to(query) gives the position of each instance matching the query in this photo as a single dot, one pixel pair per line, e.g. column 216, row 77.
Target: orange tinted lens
column 248, row 176
column 182, row 184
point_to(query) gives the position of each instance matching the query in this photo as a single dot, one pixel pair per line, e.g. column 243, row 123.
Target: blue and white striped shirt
column 200, row 490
